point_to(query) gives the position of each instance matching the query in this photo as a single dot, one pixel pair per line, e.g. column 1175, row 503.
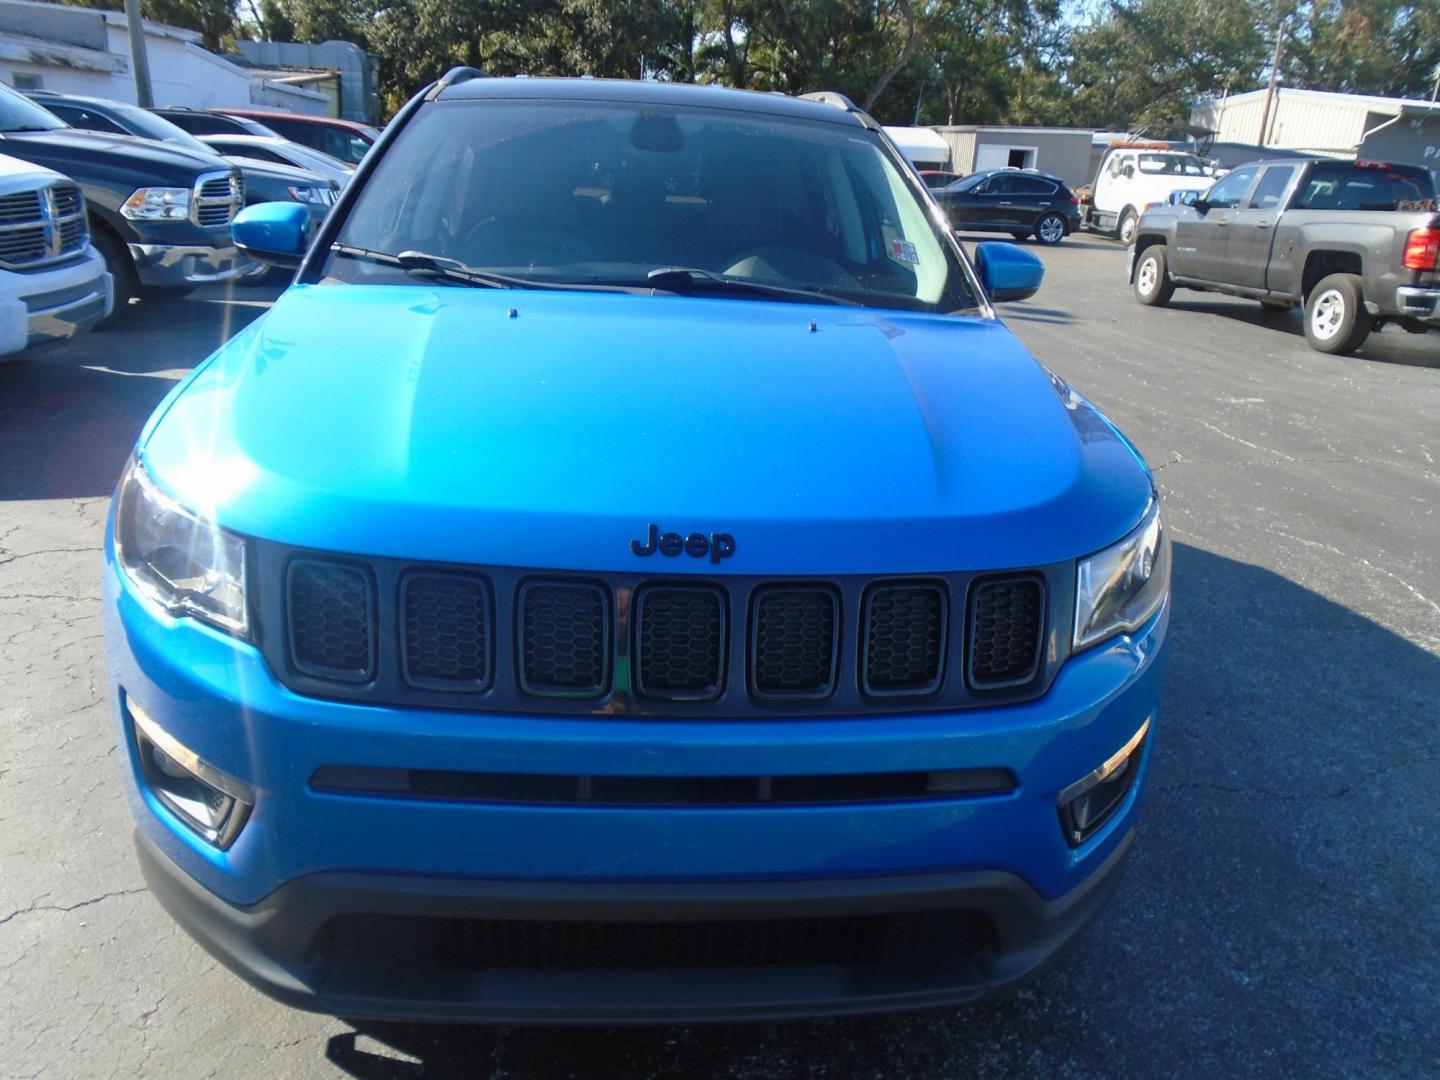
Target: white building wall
column 1299, row 122
column 181, row 73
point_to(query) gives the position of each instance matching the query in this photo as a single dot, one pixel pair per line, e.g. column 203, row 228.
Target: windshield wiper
column 423, row 262
column 679, row 278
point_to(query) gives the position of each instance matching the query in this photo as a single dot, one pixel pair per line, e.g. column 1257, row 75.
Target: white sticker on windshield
column 904, row 251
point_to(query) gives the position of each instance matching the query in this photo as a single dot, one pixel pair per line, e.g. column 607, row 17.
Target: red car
column 344, row 139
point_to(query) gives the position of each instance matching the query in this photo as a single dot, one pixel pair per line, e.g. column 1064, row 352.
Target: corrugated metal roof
column 1373, row 102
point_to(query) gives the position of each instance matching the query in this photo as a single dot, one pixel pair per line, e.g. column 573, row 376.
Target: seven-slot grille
column 218, row 198
column 431, row 635
column 793, row 643
column 42, row 226
column 679, row 642
column 1007, row 617
column 904, row 638
column 447, row 635
column 564, row 638
column 331, row 620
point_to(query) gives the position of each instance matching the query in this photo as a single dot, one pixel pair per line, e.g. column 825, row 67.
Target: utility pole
column 139, row 63
column 1274, row 75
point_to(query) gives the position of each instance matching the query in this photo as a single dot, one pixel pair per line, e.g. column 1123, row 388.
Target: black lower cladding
column 454, row 944
column 499, row 639
column 460, row 949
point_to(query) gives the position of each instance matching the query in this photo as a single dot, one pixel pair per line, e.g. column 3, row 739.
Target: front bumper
column 1419, row 303
column 182, row 265
column 273, row 944
column 308, row 855
column 52, row 305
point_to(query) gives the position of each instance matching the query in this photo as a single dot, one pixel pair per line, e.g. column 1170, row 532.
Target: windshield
column 586, row 193
column 1172, row 164
column 19, row 113
column 149, row 126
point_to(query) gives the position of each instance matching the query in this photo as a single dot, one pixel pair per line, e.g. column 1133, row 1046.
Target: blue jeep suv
column 631, row 574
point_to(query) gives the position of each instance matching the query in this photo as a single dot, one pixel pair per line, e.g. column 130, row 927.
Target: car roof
column 1019, row 172
column 276, row 114
column 246, row 137
column 650, row 93
column 79, row 99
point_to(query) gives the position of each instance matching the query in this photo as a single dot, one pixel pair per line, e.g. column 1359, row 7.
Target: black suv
column 159, row 215
column 1017, row 201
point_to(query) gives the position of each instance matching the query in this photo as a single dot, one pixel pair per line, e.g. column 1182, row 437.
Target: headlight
column 1118, row 589
column 157, row 204
column 186, row 565
column 316, row 196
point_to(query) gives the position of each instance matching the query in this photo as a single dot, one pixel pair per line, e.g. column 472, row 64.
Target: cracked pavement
column 1279, row 915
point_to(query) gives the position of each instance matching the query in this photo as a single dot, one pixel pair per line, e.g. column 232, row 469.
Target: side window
column 90, row 121
column 1227, row 193
column 1032, row 185
column 998, row 185
column 1271, row 188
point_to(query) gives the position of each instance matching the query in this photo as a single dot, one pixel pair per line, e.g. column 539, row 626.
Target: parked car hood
column 253, row 168
column 537, row 428
column 86, row 154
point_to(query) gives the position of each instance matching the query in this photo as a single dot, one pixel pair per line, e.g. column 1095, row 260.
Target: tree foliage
column 1104, row 63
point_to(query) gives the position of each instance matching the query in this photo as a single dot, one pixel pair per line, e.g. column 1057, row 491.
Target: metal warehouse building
column 1404, row 130
column 1062, row 152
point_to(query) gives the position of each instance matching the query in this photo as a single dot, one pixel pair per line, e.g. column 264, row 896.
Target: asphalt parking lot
column 1279, row 915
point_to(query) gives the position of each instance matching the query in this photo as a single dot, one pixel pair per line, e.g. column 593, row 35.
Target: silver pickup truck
column 1356, row 243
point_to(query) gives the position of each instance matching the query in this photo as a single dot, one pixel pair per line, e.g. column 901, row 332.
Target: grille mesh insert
column 793, row 642
column 457, row 944
column 680, row 642
column 330, row 620
column 565, row 638
column 904, row 638
column 447, row 631
column 1006, row 624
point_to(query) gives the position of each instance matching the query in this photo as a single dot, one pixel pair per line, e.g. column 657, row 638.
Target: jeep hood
column 547, row 429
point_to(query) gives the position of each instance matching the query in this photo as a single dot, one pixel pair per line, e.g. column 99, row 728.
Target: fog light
column 212, row 803
column 1091, row 801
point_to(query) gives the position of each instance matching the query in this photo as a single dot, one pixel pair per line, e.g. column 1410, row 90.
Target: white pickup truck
column 53, row 284
column 1133, row 176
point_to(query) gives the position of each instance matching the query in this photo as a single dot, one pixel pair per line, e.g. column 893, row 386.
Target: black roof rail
column 837, row 100
column 454, row 77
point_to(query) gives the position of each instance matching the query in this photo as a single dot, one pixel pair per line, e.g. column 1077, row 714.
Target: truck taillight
column 1422, row 249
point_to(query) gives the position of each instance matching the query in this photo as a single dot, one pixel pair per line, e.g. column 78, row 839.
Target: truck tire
column 1336, row 321
column 1153, row 286
column 1125, row 229
column 1050, row 229
column 121, row 270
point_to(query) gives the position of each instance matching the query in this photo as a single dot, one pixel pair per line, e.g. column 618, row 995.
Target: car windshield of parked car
column 587, row 193
column 1172, row 164
column 149, row 126
column 19, row 113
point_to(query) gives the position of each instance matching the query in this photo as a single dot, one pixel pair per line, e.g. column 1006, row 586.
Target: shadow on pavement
column 1391, row 346
column 1269, row 921
column 70, row 414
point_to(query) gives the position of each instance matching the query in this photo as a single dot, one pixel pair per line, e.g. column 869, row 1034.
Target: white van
column 53, row 283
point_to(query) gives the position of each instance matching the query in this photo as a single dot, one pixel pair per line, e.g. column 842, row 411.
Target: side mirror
column 273, row 232
column 1129, row 171
column 1008, row 272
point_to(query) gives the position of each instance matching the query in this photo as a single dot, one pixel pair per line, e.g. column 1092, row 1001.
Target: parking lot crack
column 71, row 907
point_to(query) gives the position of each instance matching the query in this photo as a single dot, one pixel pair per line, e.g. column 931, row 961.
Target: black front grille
column 564, row 639
column 21, row 207
column 793, row 643
column 331, row 620
column 679, row 642
column 23, row 245
column 904, row 638
column 899, row 939
column 1007, row 622
column 447, row 638
column 67, row 200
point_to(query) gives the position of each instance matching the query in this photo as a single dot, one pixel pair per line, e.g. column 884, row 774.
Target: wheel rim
column 1051, row 230
column 1328, row 314
column 1127, row 229
column 1147, row 275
